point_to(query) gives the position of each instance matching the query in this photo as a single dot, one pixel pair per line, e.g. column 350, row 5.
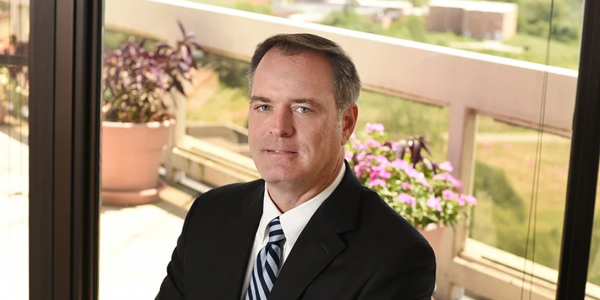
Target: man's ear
column 349, row 119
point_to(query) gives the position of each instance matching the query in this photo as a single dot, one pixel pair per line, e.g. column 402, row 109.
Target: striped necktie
column 266, row 266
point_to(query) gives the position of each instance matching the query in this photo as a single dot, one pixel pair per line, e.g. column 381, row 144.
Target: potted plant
column 139, row 80
column 423, row 192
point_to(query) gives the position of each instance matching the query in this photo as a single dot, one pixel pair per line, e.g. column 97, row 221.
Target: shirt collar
column 294, row 220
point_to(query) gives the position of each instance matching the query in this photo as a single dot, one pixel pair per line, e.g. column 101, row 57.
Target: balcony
column 488, row 106
column 467, row 91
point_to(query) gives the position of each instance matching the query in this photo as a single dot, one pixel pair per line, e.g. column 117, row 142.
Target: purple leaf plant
column 137, row 81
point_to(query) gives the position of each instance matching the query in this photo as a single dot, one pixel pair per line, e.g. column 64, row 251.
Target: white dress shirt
column 292, row 222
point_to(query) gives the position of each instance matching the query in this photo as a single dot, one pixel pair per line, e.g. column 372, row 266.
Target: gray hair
column 345, row 81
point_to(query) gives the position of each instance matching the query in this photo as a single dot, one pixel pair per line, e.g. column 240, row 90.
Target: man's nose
column 282, row 125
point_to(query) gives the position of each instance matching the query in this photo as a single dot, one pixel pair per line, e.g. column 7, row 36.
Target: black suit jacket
column 354, row 247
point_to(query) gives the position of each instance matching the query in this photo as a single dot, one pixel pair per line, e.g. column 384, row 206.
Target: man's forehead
column 302, row 57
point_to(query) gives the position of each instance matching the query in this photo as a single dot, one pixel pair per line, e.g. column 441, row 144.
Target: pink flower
column 379, row 172
column 400, row 164
column 448, row 178
column 461, row 201
column 410, row 171
column 470, row 199
column 360, row 156
column 382, row 160
column 446, row 166
column 434, row 202
column 406, row 186
column 376, row 182
column 349, row 155
column 406, row 198
column 422, row 180
column 361, row 168
column 375, row 127
column 394, row 146
column 372, row 144
column 440, row 176
column 448, row 194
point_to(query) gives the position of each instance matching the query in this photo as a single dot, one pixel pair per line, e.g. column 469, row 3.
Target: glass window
column 14, row 151
column 403, row 119
column 593, row 288
column 505, row 166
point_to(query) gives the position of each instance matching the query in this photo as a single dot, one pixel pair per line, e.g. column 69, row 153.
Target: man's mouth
column 281, row 151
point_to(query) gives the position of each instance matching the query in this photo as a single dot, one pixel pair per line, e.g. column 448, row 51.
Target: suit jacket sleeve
column 172, row 287
column 409, row 274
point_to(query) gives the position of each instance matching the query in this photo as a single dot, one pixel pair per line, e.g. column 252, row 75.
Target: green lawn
column 561, row 54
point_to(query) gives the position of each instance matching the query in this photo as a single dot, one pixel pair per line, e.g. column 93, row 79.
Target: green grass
column 564, row 55
column 227, row 105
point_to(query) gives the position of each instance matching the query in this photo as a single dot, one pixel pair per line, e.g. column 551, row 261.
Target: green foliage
column 227, row 105
column 419, row 3
column 534, row 19
column 403, row 118
column 232, row 73
column 495, row 183
column 564, row 50
column 500, row 220
column 409, row 28
column 259, row 8
column 349, row 19
column 594, row 269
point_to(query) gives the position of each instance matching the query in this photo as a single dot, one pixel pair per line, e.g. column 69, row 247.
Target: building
column 478, row 19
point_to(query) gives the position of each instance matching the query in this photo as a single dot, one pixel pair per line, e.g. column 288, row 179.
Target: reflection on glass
column 503, row 185
column 14, row 151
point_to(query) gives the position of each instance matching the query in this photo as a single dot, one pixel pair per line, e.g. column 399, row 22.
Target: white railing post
column 177, row 134
column 461, row 153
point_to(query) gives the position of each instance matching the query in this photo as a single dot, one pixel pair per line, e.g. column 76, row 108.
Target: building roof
column 485, row 6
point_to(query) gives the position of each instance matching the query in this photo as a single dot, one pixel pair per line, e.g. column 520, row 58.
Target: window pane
column 140, row 220
column 593, row 287
column 403, row 118
column 14, row 151
column 504, row 183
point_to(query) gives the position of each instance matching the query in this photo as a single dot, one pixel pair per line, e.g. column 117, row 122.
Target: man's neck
column 286, row 195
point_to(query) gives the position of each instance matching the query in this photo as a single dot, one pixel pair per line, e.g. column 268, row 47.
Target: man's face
column 295, row 135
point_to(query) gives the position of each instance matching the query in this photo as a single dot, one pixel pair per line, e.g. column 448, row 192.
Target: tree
column 534, row 19
column 349, row 19
column 409, row 28
column 265, row 9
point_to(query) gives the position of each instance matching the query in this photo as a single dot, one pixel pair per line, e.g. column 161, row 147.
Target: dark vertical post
column 65, row 66
column 41, row 148
column 583, row 169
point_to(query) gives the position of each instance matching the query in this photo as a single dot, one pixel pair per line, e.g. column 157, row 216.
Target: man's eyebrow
column 259, row 99
column 309, row 101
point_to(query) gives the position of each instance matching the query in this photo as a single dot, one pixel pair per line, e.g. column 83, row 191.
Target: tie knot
column 275, row 231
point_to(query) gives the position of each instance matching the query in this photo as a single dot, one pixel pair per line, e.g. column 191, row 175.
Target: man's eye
column 303, row 109
column 263, row 107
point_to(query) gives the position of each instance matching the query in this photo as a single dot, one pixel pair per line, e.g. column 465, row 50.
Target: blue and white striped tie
column 266, row 266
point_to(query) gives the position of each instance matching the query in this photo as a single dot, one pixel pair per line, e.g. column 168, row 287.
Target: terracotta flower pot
column 131, row 155
column 435, row 236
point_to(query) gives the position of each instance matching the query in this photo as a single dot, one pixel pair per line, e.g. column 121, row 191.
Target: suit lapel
column 320, row 242
column 238, row 238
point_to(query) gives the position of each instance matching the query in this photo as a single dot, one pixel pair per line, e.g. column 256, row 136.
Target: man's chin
column 280, row 177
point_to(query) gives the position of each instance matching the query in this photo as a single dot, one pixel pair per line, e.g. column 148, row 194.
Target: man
column 307, row 229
